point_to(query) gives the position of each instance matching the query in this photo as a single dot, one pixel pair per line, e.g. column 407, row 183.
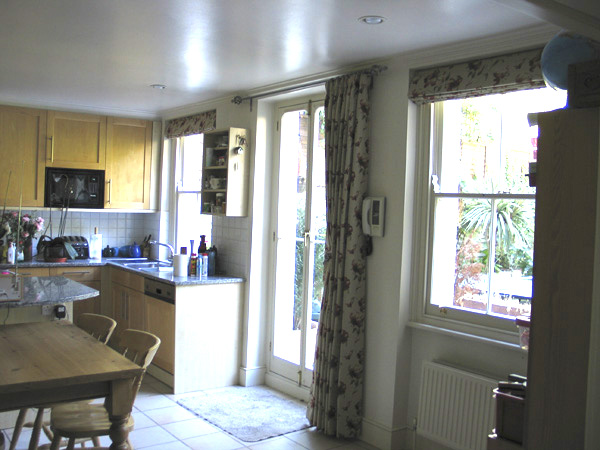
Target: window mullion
column 491, row 254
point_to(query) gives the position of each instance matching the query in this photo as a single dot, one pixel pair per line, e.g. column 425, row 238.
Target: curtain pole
column 373, row 70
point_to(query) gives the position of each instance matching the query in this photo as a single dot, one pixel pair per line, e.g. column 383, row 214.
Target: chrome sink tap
column 170, row 247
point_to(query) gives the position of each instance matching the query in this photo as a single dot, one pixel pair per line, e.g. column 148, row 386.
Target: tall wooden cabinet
column 567, row 238
column 128, row 160
column 76, row 141
column 23, row 153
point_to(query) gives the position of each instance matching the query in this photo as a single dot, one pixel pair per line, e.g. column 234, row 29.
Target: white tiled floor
column 160, row 423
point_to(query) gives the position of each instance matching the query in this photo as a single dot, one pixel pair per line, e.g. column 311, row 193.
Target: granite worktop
column 48, row 291
column 165, row 276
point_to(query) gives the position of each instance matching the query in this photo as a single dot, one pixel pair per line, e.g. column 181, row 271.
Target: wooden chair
column 77, row 420
column 99, row 327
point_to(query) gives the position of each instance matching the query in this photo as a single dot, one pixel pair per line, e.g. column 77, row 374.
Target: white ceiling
column 103, row 55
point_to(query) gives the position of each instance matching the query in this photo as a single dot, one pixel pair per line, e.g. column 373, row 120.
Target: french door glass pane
column 289, row 287
column 318, row 230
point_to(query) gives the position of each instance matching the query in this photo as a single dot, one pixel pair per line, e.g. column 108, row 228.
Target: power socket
column 60, row 311
column 47, row 310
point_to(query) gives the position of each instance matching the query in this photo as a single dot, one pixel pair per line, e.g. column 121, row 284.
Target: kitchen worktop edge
column 167, row 277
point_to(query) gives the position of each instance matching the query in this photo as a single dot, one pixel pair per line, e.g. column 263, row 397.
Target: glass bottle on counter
column 11, row 253
column 193, row 265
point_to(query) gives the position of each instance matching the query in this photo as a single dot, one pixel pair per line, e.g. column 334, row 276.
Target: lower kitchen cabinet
column 200, row 328
column 160, row 321
column 89, row 276
column 128, row 301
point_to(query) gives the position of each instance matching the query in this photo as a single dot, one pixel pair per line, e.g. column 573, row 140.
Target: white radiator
column 456, row 408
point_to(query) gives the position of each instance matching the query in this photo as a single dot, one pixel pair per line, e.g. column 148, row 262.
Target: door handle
column 109, row 191
column 51, row 148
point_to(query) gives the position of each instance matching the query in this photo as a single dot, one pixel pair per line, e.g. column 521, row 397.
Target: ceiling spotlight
column 371, row 20
column 160, row 87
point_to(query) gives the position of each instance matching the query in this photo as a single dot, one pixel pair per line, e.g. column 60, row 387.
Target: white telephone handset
column 373, row 215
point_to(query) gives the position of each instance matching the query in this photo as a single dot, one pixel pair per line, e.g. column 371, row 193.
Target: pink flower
column 25, row 234
column 25, row 218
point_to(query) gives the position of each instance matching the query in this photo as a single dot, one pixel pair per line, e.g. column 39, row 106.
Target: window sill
column 502, row 340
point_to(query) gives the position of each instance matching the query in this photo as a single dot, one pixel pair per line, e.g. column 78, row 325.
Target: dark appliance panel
column 74, row 188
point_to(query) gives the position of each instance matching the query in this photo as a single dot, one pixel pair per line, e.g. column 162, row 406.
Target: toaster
column 80, row 245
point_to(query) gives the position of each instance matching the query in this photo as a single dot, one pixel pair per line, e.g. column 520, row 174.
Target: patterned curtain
column 496, row 75
column 336, row 395
column 196, row 124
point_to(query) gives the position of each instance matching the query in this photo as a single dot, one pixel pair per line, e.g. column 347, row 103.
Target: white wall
column 395, row 349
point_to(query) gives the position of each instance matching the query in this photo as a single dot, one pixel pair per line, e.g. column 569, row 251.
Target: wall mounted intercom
column 373, row 216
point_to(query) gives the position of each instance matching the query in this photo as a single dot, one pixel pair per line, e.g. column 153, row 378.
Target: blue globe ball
column 562, row 50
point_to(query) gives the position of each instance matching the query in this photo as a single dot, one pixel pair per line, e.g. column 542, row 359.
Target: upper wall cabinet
column 128, row 162
column 22, row 151
column 76, row 141
column 225, row 173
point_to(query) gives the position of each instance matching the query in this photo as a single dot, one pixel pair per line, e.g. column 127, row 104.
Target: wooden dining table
column 44, row 363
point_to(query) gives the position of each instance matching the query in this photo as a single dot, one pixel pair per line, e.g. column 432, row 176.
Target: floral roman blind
column 196, row 124
column 495, row 75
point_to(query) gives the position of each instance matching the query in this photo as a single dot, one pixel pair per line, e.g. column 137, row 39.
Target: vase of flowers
column 8, row 230
column 29, row 228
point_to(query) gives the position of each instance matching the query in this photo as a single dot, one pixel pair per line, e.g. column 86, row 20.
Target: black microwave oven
column 74, row 188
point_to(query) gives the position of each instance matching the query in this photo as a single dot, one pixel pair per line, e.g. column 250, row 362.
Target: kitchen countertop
column 50, row 291
column 165, row 276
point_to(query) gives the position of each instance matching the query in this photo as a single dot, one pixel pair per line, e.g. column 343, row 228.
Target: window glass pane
column 191, row 162
column 482, row 253
column 513, row 259
column 190, row 223
column 459, row 274
column 487, row 142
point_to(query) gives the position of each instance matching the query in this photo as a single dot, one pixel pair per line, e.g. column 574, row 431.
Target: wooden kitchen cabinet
column 76, row 141
column 34, row 272
column 225, row 172
column 560, row 369
column 160, row 321
column 128, row 162
column 127, row 300
column 89, row 276
column 23, row 153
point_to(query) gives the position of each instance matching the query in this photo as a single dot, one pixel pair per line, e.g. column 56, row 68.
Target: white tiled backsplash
column 231, row 236
column 117, row 229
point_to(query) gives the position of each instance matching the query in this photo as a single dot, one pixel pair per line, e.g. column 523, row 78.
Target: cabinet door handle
column 51, row 148
column 77, row 272
column 109, row 190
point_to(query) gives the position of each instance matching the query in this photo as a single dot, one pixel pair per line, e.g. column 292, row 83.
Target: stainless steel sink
column 157, row 269
column 148, row 265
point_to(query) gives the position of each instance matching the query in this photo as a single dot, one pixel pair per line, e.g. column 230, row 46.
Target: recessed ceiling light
column 371, row 20
column 160, row 87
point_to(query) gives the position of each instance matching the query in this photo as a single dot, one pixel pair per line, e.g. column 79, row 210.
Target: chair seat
column 82, row 419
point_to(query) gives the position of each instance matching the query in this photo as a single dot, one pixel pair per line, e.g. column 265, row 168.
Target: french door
column 299, row 241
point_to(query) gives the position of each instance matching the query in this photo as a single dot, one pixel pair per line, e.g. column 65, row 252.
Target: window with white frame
column 190, row 224
column 481, row 207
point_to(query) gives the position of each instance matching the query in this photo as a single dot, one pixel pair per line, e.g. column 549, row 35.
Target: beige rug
column 250, row 414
